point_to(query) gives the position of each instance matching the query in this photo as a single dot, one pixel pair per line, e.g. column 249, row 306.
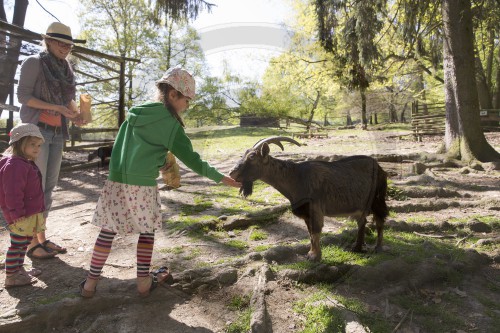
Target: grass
column 237, row 244
column 240, row 304
column 185, row 222
column 437, row 315
column 421, row 219
column 324, row 312
column 257, row 235
column 241, row 324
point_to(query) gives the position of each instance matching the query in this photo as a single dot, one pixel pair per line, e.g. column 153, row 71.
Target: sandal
column 84, row 292
column 155, row 282
column 32, row 272
column 54, row 247
column 48, row 255
column 18, row 280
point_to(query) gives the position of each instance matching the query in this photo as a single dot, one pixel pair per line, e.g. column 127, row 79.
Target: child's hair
column 17, row 148
column 162, row 91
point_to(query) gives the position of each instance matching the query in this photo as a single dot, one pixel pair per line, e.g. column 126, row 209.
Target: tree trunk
column 348, row 119
column 483, row 89
column 403, row 117
column 497, row 94
column 8, row 65
column 313, row 109
column 464, row 137
column 363, row 108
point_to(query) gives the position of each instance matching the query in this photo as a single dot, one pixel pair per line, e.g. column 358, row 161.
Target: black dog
column 102, row 153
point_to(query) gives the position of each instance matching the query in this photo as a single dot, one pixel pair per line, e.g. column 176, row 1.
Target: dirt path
column 210, row 275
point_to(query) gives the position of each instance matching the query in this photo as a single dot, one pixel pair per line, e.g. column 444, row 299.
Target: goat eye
column 251, row 156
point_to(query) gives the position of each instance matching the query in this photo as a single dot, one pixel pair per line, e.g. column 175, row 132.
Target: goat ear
column 264, row 150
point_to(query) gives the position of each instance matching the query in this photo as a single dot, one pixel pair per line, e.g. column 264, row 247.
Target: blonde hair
column 17, row 148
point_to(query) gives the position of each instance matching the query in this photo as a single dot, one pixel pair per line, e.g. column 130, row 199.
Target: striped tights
column 14, row 258
column 102, row 249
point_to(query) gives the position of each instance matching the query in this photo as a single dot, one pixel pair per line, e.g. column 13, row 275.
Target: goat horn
column 276, row 140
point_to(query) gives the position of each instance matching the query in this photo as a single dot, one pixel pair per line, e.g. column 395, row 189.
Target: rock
column 478, row 226
column 487, row 241
column 419, row 168
column 280, row 254
column 476, row 166
column 491, row 166
column 464, row 171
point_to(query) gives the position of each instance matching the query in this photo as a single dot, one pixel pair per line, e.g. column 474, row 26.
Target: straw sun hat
column 60, row 32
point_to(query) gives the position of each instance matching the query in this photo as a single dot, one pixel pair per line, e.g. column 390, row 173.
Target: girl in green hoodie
column 130, row 202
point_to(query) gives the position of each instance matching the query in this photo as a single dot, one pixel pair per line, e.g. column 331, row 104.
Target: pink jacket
column 21, row 193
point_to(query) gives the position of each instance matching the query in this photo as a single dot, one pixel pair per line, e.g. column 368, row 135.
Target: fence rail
column 430, row 119
column 116, row 66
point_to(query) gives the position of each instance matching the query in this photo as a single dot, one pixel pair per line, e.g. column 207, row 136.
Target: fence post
column 121, row 100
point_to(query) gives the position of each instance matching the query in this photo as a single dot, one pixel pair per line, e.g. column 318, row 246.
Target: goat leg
column 379, row 223
column 315, row 251
column 360, row 239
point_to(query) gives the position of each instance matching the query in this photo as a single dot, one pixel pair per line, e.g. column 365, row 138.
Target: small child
column 21, row 200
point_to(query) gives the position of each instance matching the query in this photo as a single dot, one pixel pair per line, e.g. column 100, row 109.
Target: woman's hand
column 68, row 113
column 230, row 182
column 78, row 121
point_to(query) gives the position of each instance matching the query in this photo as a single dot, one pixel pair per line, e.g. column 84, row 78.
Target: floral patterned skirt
column 128, row 209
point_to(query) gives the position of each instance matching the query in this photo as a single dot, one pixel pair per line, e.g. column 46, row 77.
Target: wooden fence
column 105, row 73
column 429, row 119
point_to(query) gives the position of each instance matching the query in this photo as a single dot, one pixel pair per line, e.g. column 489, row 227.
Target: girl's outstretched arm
column 230, row 182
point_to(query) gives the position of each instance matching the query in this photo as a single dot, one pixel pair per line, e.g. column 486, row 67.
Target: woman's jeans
column 49, row 163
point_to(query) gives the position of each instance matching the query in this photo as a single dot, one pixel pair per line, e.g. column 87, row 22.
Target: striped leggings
column 14, row 258
column 102, row 249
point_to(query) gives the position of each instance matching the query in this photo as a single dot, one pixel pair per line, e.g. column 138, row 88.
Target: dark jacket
column 21, row 193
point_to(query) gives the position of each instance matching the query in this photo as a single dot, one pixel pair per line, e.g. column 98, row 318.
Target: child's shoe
column 19, row 279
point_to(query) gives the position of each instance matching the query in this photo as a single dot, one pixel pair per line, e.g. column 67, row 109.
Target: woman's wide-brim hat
column 181, row 80
column 60, row 32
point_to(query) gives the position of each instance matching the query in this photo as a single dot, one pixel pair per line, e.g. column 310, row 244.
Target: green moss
column 261, row 248
column 421, row 219
column 324, row 312
column 174, row 250
column 238, row 244
column 256, row 235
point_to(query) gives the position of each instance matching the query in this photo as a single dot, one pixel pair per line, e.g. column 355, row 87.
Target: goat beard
column 247, row 189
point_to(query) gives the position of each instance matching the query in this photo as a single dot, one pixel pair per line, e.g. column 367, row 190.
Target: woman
column 45, row 91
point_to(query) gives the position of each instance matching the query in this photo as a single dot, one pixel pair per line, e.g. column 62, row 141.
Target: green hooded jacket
column 142, row 143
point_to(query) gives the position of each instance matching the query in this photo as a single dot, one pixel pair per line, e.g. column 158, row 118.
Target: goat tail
column 379, row 206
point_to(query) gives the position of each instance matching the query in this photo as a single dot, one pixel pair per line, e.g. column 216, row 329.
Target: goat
column 102, row 153
column 354, row 186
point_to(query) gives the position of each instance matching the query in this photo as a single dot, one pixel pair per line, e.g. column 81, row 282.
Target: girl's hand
column 230, row 182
